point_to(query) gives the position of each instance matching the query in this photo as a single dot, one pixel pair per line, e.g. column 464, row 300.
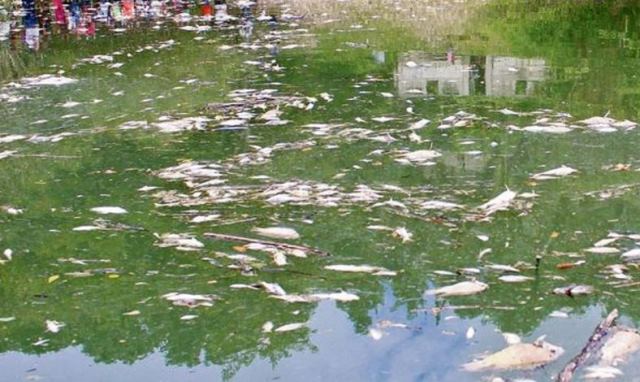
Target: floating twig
column 594, row 342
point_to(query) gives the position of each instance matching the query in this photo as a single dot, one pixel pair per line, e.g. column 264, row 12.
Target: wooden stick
column 592, row 345
column 285, row 246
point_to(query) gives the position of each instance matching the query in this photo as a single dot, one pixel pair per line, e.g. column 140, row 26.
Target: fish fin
column 539, row 341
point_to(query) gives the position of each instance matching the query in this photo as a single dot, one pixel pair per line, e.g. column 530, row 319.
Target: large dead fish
column 500, row 203
column 556, row 173
column 518, row 356
column 620, row 346
column 464, row 288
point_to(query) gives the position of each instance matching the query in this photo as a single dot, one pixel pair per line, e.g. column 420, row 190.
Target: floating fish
column 515, row 278
column 277, row 233
column 316, row 297
column 602, row 372
column 464, row 288
column 419, row 125
column 189, row 300
column 267, row 327
column 501, row 202
column 403, row 233
column 471, row 332
column 376, row 334
column 501, row 268
column 291, row 327
column 602, row 250
column 376, row 271
column 631, row 255
column 556, row 173
column 574, row 290
column 54, row 326
column 518, row 356
column 109, row 210
column 620, row 346
column 439, row 205
column 421, row 156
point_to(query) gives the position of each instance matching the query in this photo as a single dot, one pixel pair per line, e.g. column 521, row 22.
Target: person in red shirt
column 206, row 9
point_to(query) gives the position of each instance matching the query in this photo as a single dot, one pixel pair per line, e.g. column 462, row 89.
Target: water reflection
column 30, row 21
column 420, row 74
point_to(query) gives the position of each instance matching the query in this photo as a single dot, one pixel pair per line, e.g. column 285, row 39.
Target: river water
column 347, row 129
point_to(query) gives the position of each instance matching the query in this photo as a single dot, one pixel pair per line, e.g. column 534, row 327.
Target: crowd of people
column 82, row 17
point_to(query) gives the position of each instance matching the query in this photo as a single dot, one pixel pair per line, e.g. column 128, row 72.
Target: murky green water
column 577, row 60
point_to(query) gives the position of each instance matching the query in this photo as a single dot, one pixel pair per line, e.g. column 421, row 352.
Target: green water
column 581, row 60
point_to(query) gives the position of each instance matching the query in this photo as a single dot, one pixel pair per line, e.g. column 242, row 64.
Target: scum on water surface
column 221, row 204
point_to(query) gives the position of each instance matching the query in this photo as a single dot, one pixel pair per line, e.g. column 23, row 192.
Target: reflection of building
column 508, row 76
column 420, row 74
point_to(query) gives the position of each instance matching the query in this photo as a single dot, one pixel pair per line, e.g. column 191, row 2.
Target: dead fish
column 501, row 268
column 511, row 338
column 419, row 125
column 471, row 332
column 291, row 327
column 188, row 317
column 518, row 356
column 574, row 290
column 383, row 119
column 54, row 326
column 620, row 346
column 403, row 233
column 311, row 298
column 464, row 288
column 556, row 173
column 439, row 205
column 514, row 278
column 376, row 334
column 180, row 241
column 606, row 242
column 277, row 233
column 632, row 255
column 272, row 288
column 109, row 210
column 501, row 202
column 547, row 129
column 267, row 327
column 189, row 300
column 421, row 156
column 376, row 271
column 602, row 372
column 602, row 250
